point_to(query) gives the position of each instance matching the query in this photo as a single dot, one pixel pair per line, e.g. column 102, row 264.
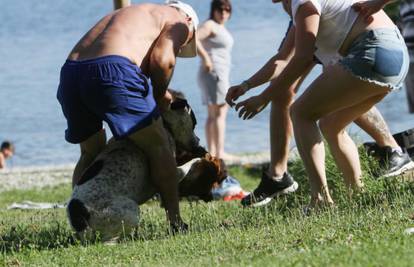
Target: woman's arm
column 276, row 64
column 307, row 24
column 269, row 71
column 204, row 32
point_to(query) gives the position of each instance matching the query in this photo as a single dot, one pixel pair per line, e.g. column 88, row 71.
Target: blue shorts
column 379, row 56
column 110, row 89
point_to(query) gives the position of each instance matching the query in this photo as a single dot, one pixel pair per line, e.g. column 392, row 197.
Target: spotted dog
column 107, row 196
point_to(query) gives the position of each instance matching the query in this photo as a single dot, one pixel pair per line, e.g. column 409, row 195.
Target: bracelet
column 246, row 85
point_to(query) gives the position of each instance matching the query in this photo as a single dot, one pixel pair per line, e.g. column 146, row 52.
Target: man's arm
column 163, row 57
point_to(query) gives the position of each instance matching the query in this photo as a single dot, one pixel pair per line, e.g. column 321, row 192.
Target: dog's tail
column 78, row 215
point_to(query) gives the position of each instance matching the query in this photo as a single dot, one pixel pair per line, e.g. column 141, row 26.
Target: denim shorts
column 379, row 56
column 109, row 88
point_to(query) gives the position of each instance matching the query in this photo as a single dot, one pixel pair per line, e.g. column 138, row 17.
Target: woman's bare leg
column 340, row 143
column 334, row 90
column 220, row 122
column 210, row 129
column 215, row 129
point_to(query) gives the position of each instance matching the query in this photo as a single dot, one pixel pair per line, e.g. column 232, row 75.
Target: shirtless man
column 118, row 73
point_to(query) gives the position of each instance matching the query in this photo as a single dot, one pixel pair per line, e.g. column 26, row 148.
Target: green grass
column 365, row 231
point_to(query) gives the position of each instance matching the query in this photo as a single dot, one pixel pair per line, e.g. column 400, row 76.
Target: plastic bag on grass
column 229, row 189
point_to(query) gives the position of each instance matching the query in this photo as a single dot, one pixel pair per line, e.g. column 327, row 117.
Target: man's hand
column 251, row 107
column 368, row 8
column 235, row 92
column 164, row 102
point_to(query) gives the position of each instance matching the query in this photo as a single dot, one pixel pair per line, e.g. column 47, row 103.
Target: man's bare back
column 130, row 32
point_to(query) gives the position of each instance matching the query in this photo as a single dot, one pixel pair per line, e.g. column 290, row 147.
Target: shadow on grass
column 36, row 237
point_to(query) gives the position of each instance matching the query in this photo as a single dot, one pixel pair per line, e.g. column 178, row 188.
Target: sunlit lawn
column 365, row 231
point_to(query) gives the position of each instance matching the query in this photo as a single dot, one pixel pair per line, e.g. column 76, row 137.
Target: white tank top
column 336, row 20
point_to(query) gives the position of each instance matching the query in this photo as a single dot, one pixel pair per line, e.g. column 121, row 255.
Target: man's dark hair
column 218, row 5
column 7, row 145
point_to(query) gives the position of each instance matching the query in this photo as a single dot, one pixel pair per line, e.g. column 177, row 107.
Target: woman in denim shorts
column 364, row 59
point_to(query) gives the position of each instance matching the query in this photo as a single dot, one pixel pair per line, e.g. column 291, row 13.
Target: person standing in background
column 121, row 3
column 407, row 21
column 214, row 48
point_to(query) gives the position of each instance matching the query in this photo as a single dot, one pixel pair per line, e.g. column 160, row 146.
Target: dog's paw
column 178, row 228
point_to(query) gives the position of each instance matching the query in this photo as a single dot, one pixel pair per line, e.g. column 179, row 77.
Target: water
column 36, row 36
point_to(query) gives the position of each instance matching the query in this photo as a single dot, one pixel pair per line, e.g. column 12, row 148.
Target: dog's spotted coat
column 107, row 196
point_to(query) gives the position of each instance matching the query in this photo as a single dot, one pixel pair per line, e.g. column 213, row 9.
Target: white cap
column 190, row 50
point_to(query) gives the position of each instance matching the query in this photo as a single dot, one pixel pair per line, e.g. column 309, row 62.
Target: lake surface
column 36, row 37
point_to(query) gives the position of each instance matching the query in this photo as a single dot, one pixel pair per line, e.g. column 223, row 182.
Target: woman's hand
column 207, row 64
column 235, row 92
column 368, row 8
column 251, row 106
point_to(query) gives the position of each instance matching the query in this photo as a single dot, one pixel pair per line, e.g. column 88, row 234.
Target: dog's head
column 203, row 176
column 180, row 122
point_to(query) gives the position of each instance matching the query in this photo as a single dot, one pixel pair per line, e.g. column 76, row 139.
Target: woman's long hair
column 218, row 5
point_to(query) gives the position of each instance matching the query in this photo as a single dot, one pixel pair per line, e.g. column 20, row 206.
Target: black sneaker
column 392, row 162
column 395, row 162
column 269, row 189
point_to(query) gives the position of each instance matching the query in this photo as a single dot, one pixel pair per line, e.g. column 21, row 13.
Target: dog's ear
column 78, row 215
column 208, row 156
column 204, row 176
column 182, row 156
column 220, row 166
column 200, row 152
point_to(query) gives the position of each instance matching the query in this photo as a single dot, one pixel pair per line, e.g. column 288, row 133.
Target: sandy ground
column 35, row 177
column 39, row 177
